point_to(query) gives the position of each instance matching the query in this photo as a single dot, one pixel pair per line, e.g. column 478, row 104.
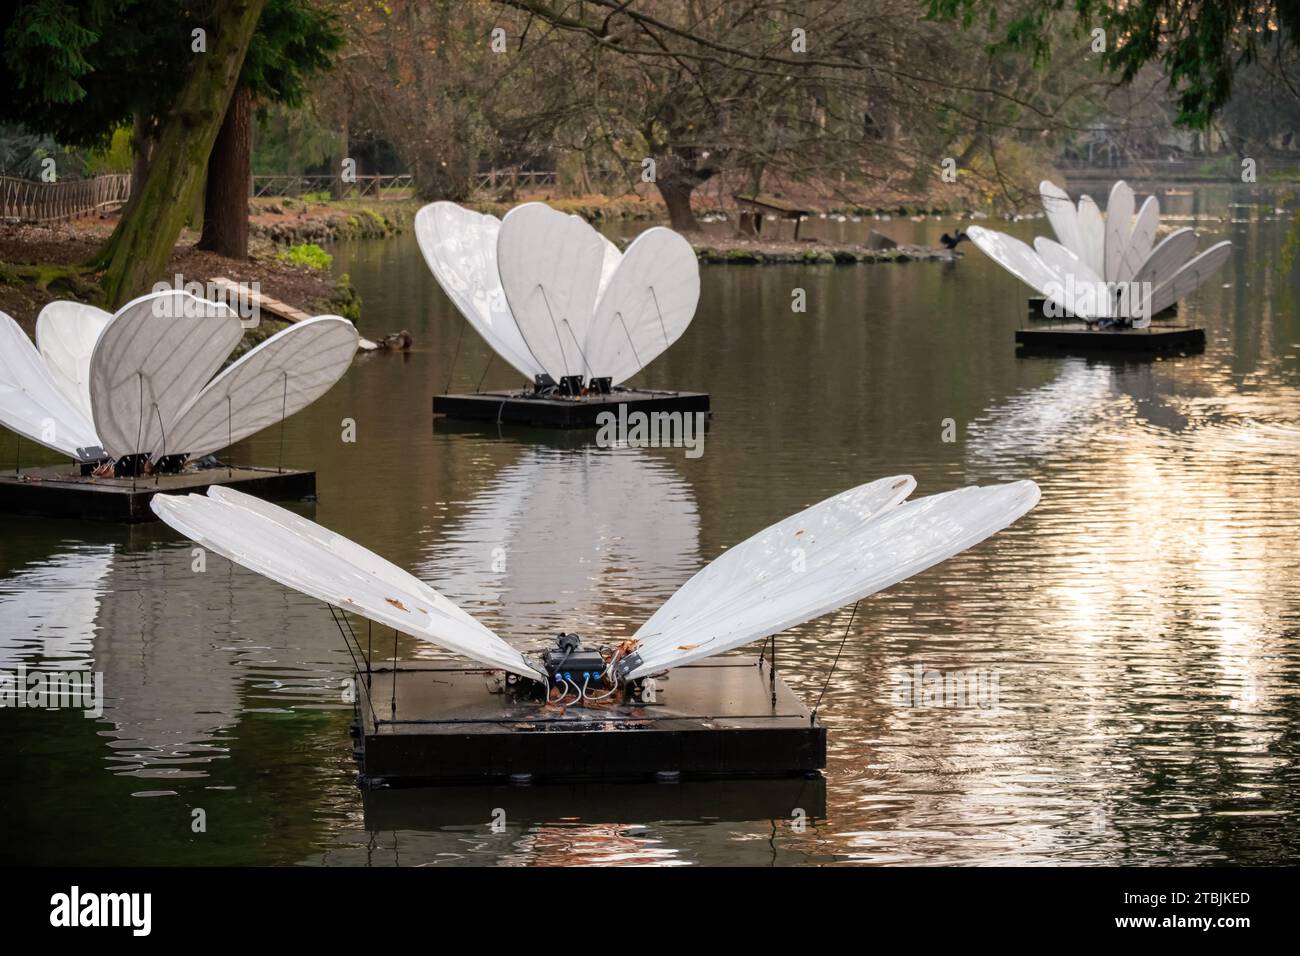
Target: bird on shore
column 951, row 242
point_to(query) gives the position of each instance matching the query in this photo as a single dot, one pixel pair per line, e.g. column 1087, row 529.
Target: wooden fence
column 515, row 178
column 25, row 200
column 364, row 187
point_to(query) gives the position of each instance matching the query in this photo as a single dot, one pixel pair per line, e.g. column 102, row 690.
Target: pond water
column 1142, row 624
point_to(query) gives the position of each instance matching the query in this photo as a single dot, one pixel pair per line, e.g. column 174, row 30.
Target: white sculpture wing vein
column 854, row 544
column 645, row 306
column 551, row 266
column 460, row 248
column 281, row 376
column 150, row 363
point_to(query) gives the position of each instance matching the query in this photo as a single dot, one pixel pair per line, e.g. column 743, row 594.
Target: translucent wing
column 151, row 361
column 1191, row 276
column 460, row 248
column 1085, row 295
column 1062, row 214
column 66, row 333
column 551, row 266
column 1167, row 257
column 1119, row 228
column 32, row 403
column 283, row 375
column 852, row 545
column 302, row 555
column 1021, row 261
column 1092, row 236
column 1140, row 241
column 646, row 305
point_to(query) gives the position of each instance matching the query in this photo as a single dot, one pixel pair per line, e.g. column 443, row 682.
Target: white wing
column 609, row 260
column 1119, row 227
column 150, row 363
column 1167, row 257
column 283, row 375
column 551, row 266
column 1191, row 276
column 66, row 333
column 1086, row 296
column 853, row 545
column 1021, row 261
column 1062, row 214
column 1092, row 236
column 1141, row 240
column 302, row 555
column 31, row 402
column 460, row 248
column 646, row 306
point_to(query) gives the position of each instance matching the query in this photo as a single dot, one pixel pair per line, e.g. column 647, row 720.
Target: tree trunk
column 338, row 188
column 225, row 200
column 137, row 252
column 677, row 197
column 142, row 142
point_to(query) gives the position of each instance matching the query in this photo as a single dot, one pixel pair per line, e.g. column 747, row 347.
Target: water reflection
column 179, row 659
column 589, row 540
column 1144, row 620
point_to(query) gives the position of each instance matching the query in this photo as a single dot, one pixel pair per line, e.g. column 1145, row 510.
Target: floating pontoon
column 1106, row 275
column 564, row 307
column 660, row 702
column 136, row 401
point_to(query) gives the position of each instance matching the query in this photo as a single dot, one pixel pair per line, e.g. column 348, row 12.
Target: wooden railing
column 515, row 178
column 25, row 200
column 364, row 187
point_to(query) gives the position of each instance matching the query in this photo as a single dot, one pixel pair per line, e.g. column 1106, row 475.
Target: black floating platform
column 61, row 491
column 1038, row 310
column 1078, row 338
column 716, row 801
column 462, row 725
column 524, row 408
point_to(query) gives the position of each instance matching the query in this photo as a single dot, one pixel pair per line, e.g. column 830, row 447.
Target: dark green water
column 1143, row 622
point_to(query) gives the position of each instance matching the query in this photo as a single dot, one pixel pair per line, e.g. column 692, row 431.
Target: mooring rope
column 479, row 386
column 157, row 475
column 284, row 407
column 630, row 343
column 558, row 340
column 836, row 662
column 394, row 673
column 579, row 348
column 455, row 355
column 230, row 433
column 662, row 325
column 139, row 428
column 373, row 716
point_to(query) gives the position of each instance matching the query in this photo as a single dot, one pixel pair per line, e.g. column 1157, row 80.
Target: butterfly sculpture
column 1106, row 267
column 554, row 297
column 847, row 547
column 144, row 383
